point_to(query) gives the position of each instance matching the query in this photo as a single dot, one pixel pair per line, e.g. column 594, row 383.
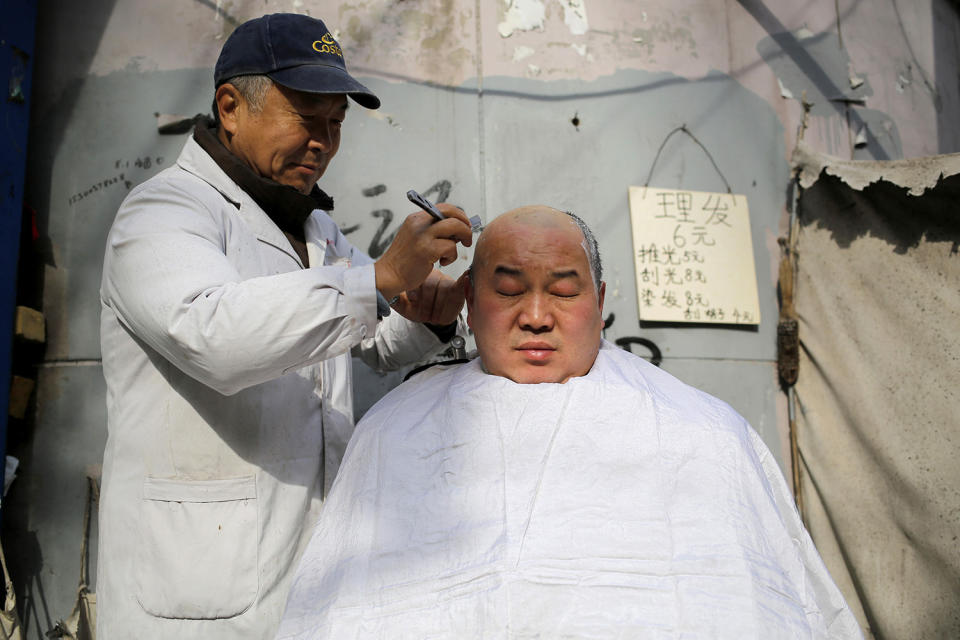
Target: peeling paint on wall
column 575, row 16
column 522, row 15
column 435, row 42
column 380, row 114
column 681, row 37
column 519, row 53
column 528, row 15
column 879, row 132
column 784, row 92
column 855, row 80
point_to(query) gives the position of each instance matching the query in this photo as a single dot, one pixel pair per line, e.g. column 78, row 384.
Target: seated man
column 609, row 501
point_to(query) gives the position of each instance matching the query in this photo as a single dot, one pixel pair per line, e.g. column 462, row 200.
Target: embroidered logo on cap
column 327, row 44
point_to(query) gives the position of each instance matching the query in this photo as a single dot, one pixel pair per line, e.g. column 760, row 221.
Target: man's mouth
column 536, row 351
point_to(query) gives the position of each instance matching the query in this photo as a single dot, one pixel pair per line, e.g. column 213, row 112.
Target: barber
column 231, row 305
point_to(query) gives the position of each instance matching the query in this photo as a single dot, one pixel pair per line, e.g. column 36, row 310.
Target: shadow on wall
column 817, row 65
column 60, row 69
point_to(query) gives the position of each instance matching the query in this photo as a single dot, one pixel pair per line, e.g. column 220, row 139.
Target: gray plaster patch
column 814, row 65
column 814, row 68
column 534, row 154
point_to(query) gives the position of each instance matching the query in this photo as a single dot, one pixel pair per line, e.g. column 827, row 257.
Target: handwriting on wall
column 693, row 256
column 119, row 176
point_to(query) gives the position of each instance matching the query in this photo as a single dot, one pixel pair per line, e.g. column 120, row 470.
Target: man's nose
column 536, row 314
column 321, row 137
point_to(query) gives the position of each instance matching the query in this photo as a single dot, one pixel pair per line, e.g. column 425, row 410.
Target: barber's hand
column 437, row 301
column 420, row 242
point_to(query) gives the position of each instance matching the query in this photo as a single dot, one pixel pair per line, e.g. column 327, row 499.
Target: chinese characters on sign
column 693, row 256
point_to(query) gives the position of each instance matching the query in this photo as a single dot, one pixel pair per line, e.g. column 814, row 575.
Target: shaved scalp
column 544, row 216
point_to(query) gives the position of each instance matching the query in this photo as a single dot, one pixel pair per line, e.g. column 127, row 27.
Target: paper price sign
column 693, row 256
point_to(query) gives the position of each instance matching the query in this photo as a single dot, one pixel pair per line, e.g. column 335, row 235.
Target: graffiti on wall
column 383, row 236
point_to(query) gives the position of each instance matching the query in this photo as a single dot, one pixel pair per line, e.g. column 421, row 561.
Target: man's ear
column 601, row 293
column 229, row 102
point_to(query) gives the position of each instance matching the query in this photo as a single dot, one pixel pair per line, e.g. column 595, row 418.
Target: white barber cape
column 622, row 504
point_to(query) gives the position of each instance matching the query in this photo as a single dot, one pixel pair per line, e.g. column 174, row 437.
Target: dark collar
column 287, row 207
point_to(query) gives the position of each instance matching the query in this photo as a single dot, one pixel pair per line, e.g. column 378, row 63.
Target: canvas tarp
column 878, row 394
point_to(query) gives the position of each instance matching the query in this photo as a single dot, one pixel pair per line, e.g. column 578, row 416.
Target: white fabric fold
column 621, row 504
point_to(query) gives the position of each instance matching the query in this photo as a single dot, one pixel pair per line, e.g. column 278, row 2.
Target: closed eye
column 564, row 290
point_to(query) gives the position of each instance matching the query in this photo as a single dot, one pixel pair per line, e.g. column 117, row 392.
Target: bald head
column 534, row 300
column 544, row 216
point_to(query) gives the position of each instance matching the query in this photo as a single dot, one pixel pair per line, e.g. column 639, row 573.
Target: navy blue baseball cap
column 293, row 50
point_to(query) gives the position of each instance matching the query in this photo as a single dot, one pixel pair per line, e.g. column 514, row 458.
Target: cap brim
column 316, row 78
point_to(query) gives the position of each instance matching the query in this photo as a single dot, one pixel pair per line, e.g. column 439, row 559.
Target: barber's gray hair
column 591, row 247
column 253, row 88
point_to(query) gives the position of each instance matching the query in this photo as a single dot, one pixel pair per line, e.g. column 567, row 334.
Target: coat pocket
column 197, row 555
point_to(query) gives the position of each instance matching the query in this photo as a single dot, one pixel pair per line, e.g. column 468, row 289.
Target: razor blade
column 475, row 224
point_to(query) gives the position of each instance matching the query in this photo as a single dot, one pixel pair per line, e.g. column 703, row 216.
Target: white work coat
column 229, row 401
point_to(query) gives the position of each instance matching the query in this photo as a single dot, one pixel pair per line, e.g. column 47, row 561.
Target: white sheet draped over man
column 557, row 486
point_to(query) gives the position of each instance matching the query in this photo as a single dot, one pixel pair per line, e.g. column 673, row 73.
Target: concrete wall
column 496, row 104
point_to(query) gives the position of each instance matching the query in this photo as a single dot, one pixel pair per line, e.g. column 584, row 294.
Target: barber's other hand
column 420, row 242
column 437, row 301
